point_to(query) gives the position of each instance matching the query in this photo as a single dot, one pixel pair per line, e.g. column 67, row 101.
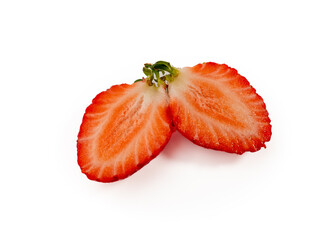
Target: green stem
column 152, row 71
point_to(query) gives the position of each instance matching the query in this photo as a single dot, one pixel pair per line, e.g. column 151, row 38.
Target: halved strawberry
column 215, row 107
column 122, row 130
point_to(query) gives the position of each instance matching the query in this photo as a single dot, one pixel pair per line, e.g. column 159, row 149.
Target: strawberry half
column 122, row 130
column 215, row 107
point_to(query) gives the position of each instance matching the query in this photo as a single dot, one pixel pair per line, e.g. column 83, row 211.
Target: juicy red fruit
column 123, row 129
column 127, row 126
column 215, row 107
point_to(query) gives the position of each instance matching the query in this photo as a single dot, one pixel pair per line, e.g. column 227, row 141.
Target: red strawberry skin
column 122, row 130
column 217, row 108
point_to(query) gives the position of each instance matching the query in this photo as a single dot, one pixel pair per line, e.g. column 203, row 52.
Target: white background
column 55, row 56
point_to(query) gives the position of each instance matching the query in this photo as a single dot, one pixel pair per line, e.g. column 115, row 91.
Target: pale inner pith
column 211, row 98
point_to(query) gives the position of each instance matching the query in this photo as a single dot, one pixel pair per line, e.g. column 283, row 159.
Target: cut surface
column 122, row 130
column 215, row 107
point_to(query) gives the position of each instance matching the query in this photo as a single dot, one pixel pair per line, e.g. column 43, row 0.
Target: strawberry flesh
column 215, row 107
column 122, row 130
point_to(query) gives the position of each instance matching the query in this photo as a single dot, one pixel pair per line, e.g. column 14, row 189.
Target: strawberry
column 215, row 107
column 127, row 126
column 122, row 130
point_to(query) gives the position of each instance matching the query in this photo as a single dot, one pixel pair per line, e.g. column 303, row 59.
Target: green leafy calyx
column 159, row 73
